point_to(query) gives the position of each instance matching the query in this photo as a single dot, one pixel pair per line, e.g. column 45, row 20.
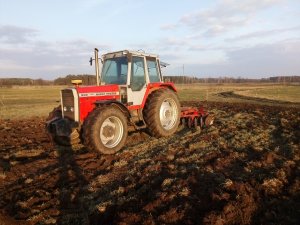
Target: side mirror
column 91, row 61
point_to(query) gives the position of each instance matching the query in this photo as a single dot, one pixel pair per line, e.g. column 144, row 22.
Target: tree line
column 9, row 82
column 66, row 80
column 224, row 80
column 86, row 79
column 91, row 80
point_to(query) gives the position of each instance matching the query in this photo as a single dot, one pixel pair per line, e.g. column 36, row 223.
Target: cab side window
column 138, row 79
column 153, row 70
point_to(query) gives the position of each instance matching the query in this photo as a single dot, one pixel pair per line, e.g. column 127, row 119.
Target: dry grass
column 209, row 92
column 274, row 92
column 23, row 102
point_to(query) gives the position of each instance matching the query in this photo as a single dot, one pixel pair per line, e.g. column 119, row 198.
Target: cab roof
column 125, row 52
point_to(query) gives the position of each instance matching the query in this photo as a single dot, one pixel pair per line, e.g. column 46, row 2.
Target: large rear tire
column 61, row 140
column 105, row 130
column 162, row 113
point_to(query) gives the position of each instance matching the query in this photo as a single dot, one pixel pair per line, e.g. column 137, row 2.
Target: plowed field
column 243, row 170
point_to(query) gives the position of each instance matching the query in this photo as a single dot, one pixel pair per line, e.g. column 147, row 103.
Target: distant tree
column 86, row 79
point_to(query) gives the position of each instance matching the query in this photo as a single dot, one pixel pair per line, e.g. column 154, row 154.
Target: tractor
column 130, row 94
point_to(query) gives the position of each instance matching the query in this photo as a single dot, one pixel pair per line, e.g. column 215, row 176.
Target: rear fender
column 150, row 88
column 155, row 86
column 170, row 85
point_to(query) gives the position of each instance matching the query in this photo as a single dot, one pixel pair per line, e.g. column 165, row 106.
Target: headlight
column 72, row 109
column 65, row 108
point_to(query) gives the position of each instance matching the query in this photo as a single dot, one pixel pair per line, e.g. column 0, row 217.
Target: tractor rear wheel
column 105, row 130
column 62, row 140
column 162, row 113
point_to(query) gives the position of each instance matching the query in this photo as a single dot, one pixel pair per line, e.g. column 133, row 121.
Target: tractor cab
column 142, row 69
column 132, row 71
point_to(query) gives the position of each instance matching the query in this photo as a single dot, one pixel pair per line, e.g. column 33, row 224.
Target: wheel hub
column 168, row 114
column 108, row 131
column 111, row 132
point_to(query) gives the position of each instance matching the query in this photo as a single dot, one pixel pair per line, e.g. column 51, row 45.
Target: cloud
column 168, row 26
column 262, row 60
column 90, row 4
column 278, row 58
column 41, row 54
column 173, row 41
column 222, row 17
column 16, row 35
column 245, row 6
column 161, row 45
column 45, row 59
column 263, row 33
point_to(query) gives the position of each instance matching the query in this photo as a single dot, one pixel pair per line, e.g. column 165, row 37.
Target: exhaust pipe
column 97, row 67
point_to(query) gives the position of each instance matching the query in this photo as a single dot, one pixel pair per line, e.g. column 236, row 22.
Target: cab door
column 138, row 80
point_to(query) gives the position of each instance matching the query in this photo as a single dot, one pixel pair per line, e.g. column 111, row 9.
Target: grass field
column 24, row 102
column 210, row 92
column 276, row 92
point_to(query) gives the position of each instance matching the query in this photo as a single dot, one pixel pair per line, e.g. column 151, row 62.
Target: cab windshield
column 114, row 70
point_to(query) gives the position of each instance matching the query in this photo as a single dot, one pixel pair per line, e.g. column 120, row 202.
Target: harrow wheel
column 182, row 122
column 190, row 122
column 201, row 121
column 209, row 120
column 195, row 122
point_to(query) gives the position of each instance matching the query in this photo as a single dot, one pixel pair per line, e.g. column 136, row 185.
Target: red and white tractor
column 130, row 93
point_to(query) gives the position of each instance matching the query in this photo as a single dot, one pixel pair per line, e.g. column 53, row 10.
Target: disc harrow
column 195, row 117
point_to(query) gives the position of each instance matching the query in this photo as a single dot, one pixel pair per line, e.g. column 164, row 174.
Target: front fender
column 118, row 104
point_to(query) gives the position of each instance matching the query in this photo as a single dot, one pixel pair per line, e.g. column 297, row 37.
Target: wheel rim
column 111, row 132
column 168, row 113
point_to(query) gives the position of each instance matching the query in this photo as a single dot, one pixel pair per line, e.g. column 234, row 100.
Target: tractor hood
column 87, row 96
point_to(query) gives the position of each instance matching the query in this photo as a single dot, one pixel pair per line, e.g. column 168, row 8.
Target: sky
column 208, row 38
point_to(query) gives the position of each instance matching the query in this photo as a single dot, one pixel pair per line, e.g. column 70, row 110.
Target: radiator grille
column 68, row 104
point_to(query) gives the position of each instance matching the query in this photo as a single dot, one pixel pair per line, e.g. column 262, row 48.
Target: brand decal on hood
column 94, row 94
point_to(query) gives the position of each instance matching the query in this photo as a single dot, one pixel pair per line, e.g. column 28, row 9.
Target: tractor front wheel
column 105, row 130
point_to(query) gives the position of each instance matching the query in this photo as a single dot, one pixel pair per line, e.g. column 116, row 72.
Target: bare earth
column 243, row 170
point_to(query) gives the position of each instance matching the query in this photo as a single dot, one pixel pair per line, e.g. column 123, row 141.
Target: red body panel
column 88, row 95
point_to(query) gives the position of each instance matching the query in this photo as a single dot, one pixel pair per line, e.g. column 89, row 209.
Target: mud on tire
column 162, row 113
column 105, row 130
